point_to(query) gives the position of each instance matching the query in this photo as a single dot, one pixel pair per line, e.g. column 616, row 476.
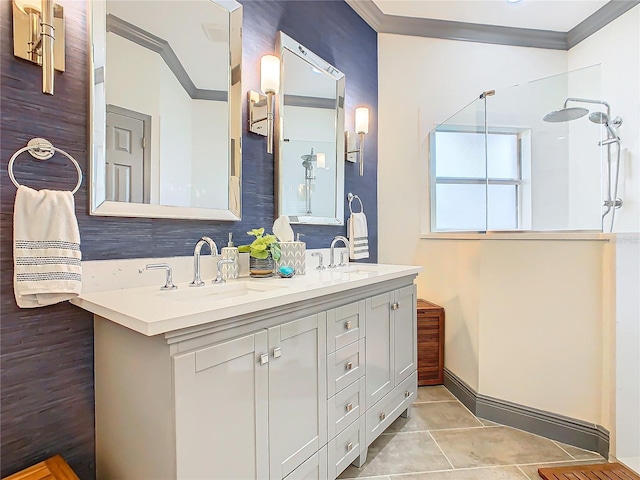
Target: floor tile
column 434, row 394
column 579, row 453
column 487, row 473
column 476, row 447
column 400, row 453
column 531, row 471
column 435, row 416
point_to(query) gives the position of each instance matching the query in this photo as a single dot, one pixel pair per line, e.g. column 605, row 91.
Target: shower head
column 566, row 114
column 600, row 118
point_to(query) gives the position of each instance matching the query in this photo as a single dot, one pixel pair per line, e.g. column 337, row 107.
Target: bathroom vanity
column 253, row 379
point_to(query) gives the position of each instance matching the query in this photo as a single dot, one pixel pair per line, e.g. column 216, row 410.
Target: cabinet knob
column 349, row 365
column 397, row 305
column 407, row 394
column 394, row 306
column 350, row 446
column 277, row 352
column 349, row 407
column 383, row 416
column 264, row 359
column 348, row 325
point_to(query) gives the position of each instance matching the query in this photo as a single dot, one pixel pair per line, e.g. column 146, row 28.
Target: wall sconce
column 362, row 127
column 35, row 25
column 261, row 114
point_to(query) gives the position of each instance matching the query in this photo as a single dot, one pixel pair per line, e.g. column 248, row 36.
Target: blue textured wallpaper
column 46, row 380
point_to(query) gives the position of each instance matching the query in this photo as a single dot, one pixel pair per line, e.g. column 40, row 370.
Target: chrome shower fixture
column 566, row 114
column 602, row 118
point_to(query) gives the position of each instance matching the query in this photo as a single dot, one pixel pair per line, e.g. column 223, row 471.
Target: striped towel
column 358, row 236
column 46, row 248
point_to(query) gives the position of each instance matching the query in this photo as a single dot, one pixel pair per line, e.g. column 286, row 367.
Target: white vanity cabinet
column 207, row 404
column 291, row 392
column 391, row 358
column 265, row 420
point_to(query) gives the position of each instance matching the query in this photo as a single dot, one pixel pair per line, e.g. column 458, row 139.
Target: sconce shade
column 270, row 74
column 362, row 120
column 321, row 160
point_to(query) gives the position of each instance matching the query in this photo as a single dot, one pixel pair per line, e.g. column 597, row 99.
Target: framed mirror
column 310, row 134
column 166, row 114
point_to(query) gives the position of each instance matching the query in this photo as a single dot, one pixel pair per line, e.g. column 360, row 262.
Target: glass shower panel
column 458, row 171
column 558, row 177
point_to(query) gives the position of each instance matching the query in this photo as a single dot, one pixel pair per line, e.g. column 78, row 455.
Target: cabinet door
column 297, row 393
column 405, row 333
column 315, row 468
column 221, row 425
column 379, row 343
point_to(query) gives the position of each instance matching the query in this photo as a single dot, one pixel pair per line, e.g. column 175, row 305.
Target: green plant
column 262, row 245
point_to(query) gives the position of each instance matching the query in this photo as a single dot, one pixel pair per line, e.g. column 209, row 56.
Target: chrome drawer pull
column 277, row 352
column 349, row 365
column 264, row 359
column 383, row 416
column 350, row 447
column 407, row 394
column 348, row 325
column 349, row 407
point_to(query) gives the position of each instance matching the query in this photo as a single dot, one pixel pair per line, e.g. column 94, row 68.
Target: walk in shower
column 540, row 156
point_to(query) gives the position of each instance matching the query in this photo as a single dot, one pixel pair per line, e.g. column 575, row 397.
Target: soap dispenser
column 230, row 270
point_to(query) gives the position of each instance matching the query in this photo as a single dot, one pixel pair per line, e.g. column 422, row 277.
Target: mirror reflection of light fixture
column 307, row 163
column 35, row 25
column 362, row 128
column 261, row 106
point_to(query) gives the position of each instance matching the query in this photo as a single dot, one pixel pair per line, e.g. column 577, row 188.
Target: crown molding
column 494, row 34
column 609, row 12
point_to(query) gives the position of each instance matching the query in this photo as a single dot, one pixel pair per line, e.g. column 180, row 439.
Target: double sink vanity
column 251, row 379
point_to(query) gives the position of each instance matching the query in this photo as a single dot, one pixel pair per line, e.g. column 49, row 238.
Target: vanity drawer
column 345, row 325
column 345, row 407
column 344, row 367
column 346, row 447
column 383, row 413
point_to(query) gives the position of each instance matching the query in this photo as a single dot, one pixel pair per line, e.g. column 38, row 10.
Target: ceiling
column 552, row 24
column 555, row 15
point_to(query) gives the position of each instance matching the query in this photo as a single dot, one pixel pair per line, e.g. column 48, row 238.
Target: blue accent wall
column 46, row 380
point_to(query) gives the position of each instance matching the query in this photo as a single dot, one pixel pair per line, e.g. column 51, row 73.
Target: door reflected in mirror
column 166, row 109
column 310, row 166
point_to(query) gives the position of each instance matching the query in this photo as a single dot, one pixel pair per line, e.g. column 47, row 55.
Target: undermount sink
column 219, row 292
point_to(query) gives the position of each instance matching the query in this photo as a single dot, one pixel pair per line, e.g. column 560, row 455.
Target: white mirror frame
column 97, row 120
column 284, row 42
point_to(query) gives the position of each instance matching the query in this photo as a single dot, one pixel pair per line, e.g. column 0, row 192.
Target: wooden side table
column 430, row 343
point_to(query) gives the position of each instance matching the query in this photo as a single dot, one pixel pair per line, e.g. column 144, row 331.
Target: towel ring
column 41, row 149
column 351, row 197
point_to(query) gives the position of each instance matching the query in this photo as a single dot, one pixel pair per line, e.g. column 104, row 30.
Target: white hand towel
column 46, row 248
column 358, row 236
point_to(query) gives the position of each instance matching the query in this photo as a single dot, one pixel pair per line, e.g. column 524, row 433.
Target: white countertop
column 150, row 311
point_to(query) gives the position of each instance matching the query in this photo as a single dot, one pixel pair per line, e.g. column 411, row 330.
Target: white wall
column 617, row 48
column 506, row 302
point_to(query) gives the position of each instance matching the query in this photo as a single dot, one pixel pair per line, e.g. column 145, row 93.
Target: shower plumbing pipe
column 587, row 100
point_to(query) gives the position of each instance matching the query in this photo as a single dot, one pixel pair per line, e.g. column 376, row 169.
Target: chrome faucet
column 337, row 239
column 197, row 281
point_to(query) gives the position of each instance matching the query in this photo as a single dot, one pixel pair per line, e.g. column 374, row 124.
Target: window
column 474, row 190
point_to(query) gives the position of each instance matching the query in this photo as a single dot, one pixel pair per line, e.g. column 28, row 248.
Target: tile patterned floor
column 443, row 441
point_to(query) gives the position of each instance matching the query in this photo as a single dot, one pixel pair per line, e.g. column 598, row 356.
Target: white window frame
column 521, row 182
